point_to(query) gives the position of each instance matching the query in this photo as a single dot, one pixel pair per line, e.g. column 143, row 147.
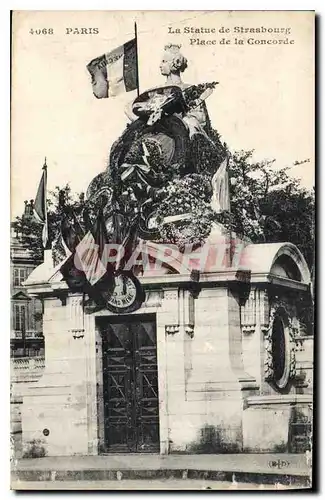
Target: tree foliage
column 269, row 205
column 30, row 231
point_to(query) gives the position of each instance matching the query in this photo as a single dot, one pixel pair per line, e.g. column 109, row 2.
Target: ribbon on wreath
column 141, row 170
column 129, row 169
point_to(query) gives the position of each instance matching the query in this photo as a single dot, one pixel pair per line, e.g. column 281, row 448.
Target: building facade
column 26, row 339
column 26, row 333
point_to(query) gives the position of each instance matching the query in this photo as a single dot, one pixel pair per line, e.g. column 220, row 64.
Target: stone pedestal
column 216, row 394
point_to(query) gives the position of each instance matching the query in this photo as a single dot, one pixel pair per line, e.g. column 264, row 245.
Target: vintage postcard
column 162, row 249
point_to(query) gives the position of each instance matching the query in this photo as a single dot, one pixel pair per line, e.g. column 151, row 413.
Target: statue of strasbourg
column 163, row 164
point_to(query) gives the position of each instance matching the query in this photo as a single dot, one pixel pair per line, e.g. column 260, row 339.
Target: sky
column 264, row 100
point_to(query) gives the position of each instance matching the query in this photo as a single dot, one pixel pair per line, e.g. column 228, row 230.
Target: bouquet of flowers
column 196, row 94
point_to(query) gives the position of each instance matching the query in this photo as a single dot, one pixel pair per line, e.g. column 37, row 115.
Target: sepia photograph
column 162, row 254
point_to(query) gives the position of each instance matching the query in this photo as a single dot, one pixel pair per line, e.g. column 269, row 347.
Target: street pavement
column 262, row 463
column 169, row 472
column 140, row 485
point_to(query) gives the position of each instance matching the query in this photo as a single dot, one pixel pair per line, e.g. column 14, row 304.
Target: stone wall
column 204, row 394
column 57, row 411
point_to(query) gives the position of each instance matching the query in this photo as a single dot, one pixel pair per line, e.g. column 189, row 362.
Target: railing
column 37, row 363
column 30, row 334
column 27, row 369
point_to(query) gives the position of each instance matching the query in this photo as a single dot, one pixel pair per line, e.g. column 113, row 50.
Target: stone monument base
column 194, row 370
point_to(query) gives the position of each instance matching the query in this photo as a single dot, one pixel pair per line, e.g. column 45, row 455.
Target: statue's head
column 172, row 61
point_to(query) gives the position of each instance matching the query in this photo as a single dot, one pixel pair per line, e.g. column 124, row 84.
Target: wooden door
column 130, row 384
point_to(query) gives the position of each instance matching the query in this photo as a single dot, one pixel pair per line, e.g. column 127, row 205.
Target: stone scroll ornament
column 157, row 187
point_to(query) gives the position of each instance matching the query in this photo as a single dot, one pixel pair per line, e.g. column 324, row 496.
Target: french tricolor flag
column 115, row 72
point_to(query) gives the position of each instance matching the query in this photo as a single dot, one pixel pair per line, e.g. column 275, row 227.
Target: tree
column 60, row 201
column 268, row 205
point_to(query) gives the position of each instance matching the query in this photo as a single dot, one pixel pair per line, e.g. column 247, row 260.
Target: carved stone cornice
column 248, row 314
column 189, row 330
column 76, row 316
column 180, row 305
column 78, row 333
column 171, row 329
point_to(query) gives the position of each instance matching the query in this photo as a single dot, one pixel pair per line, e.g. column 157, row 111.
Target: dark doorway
column 130, row 384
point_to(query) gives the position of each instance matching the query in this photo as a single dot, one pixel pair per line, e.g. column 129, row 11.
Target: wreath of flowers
column 159, row 172
column 189, row 197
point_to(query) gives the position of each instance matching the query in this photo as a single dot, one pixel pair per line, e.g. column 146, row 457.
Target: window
column 19, row 317
column 20, row 275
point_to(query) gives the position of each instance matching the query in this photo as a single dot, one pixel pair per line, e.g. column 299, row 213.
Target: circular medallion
column 126, row 294
column 170, row 133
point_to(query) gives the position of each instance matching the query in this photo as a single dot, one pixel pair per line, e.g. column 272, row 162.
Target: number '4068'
column 44, row 31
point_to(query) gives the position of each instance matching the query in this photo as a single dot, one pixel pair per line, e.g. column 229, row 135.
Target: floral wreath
column 184, row 215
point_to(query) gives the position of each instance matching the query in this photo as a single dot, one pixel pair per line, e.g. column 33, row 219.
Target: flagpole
column 46, row 229
column 137, row 57
column 48, row 258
